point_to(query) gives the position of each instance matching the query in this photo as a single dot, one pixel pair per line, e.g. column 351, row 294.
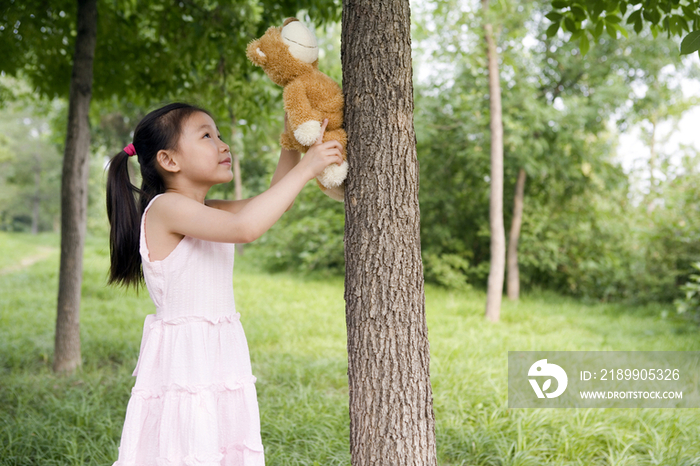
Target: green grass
column 295, row 328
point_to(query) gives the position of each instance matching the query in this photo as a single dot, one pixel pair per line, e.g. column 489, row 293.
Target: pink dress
column 194, row 401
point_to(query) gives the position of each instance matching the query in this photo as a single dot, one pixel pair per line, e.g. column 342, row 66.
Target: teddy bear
column 289, row 56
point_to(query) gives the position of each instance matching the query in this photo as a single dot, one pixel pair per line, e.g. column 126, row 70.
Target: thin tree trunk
column 391, row 404
column 513, row 282
column 36, row 199
column 652, row 165
column 236, row 162
column 652, row 154
column 74, row 185
column 498, row 234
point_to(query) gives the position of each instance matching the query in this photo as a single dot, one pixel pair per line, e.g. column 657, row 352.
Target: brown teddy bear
column 289, row 56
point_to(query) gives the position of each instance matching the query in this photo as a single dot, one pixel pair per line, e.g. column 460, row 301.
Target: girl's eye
column 206, row 134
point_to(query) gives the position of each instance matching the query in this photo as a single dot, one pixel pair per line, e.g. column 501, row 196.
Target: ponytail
column 159, row 130
column 124, row 219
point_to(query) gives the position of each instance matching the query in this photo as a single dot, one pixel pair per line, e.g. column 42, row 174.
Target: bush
column 447, row 270
column 690, row 304
column 307, row 238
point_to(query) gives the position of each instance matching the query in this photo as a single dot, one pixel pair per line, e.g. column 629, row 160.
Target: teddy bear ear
column 254, row 53
column 300, row 40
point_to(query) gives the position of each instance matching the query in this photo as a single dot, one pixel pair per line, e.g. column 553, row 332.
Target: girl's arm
column 288, row 160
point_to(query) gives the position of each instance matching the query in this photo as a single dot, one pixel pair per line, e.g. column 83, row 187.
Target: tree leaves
column 598, row 30
column 552, row 30
column 570, row 25
column 554, row 16
column 636, row 18
column 580, row 18
column 691, row 43
column 584, row 45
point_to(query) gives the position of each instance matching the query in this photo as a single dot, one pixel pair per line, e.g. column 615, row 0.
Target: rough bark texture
column 391, row 404
column 74, row 186
column 498, row 234
column 513, row 282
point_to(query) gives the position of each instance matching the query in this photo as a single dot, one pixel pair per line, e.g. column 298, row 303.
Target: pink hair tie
column 130, row 149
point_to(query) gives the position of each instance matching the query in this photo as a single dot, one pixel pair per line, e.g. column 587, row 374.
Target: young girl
column 194, row 401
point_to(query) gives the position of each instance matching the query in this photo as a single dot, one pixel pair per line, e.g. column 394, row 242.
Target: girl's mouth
column 226, row 162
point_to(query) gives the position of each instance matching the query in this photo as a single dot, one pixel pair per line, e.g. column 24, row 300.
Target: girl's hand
column 322, row 154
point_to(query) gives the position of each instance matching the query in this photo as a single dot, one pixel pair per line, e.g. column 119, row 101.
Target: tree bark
column 74, row 190
column 391, row 404
column 498, row 235
column 513, row 281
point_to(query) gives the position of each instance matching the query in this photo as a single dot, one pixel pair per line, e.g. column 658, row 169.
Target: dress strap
column 151, row 203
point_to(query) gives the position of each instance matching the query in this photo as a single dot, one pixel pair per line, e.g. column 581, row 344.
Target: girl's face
column 203, row 157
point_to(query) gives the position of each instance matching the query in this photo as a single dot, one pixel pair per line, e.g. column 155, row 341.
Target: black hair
column 159, row 130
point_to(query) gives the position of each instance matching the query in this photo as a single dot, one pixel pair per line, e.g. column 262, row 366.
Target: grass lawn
column 295, row 328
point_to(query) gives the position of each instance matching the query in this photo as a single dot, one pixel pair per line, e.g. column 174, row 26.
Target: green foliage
column 307, row 238
column 585, row 231
column 553, row 145
column 691, row 300
column 145, row 48
column 448, row 270
column 583, row 17
column 30, row 164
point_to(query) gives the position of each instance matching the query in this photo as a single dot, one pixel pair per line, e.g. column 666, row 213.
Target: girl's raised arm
column 182, row 215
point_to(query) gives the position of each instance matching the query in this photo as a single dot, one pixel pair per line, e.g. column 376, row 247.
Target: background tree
column 74, row 181
column 391, row 403
column 494, row 290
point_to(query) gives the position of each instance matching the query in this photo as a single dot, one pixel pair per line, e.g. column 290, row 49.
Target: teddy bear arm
column 298, row 106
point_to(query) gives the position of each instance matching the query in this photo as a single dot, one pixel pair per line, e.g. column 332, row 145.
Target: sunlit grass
column 295, row 327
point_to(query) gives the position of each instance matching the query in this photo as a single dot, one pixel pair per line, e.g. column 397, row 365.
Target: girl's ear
column 167, row 162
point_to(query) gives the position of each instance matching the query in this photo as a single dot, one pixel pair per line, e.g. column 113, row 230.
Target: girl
column 194, row 401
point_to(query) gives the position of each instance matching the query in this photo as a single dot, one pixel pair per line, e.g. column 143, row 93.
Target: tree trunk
column 391, row 403
column 236, row 162
column 74, row 190
column 513, row 282
column 498, row 234
column 36, row 199
column 652, row 165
